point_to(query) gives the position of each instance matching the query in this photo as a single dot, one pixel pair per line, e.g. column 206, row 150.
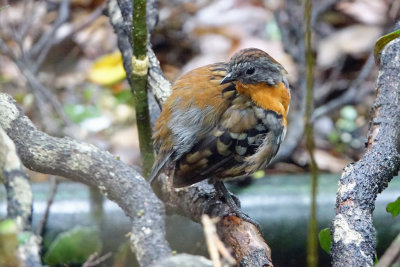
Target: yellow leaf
column 107, row 70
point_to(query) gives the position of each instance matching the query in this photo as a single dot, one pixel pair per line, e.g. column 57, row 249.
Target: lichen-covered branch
column 87, row 164
column 19, row 200
column 353, row 234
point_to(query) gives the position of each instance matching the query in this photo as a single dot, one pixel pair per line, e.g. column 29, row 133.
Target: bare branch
column 95, row 260
column 86, row 22
column 87, row 164
column 214, row 244
column 391, row 255
column 63, row 15
column 352, row 229
column 43, row 220
column 45, row 40
column 353, row 94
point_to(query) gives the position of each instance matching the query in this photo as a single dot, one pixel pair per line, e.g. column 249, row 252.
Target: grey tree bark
column 353, row 233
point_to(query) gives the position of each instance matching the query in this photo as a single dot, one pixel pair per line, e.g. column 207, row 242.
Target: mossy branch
column 140, row 65
column 312, row 242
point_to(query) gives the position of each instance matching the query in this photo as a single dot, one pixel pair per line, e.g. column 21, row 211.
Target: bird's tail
column 158, row 165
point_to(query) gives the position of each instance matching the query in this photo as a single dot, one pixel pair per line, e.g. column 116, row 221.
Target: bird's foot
column 233, row 203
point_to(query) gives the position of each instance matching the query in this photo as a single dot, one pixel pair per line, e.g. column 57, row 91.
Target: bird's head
column 254, row 66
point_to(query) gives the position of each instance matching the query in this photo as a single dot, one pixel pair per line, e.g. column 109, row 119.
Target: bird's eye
column 250, row 70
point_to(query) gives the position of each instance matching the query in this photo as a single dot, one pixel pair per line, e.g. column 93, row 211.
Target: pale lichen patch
column 79, row 161
column 47, row 157
column 343, row 232
column 103, row 190
column 8, row 158
column 345, row 188
column 9, row 111
column 146, row 230
column 31, row 248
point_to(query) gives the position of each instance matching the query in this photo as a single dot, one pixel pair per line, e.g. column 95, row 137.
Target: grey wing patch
column 186, row 127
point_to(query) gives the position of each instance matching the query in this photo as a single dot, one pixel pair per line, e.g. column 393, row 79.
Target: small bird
column 223, row 121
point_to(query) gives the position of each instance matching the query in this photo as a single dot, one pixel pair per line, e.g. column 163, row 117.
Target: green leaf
column 394, row 207
column 376, row 260
column 325, row 239
column 73, row 246
column 382, row 42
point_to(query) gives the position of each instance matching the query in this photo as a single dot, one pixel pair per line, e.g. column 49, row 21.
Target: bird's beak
column 227, row 79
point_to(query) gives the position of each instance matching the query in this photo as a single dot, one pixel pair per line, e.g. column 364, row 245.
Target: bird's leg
column 223, row 192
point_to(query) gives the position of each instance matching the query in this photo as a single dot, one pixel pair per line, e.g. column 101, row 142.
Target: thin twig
column 88, row 21
column 352, row 95
column 42, row 47
column 93, row 260
column 53, row 191
column 45, row 39
column 42, row 92
column 51, row 42
column 312, row 244
column 391, row 255
column 30, row 12
column 140, row 65
column 214, row 244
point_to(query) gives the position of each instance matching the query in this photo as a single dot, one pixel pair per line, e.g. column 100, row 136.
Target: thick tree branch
column 19, row 199
column 87, row 164
column 352, row 229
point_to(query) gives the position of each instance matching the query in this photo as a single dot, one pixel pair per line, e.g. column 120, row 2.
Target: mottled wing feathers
column 228, row 150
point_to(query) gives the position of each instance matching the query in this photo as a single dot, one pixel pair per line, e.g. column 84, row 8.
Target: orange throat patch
column 268, row 97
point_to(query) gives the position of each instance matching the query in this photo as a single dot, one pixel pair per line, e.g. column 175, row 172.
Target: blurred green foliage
column 74, row 246
column 124, row 97
column 345, row 133
column 77, row 112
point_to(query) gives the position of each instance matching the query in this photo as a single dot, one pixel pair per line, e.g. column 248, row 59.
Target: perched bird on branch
column 223, row 121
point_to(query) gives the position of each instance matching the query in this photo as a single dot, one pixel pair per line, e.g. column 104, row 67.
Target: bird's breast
column 274, row 98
